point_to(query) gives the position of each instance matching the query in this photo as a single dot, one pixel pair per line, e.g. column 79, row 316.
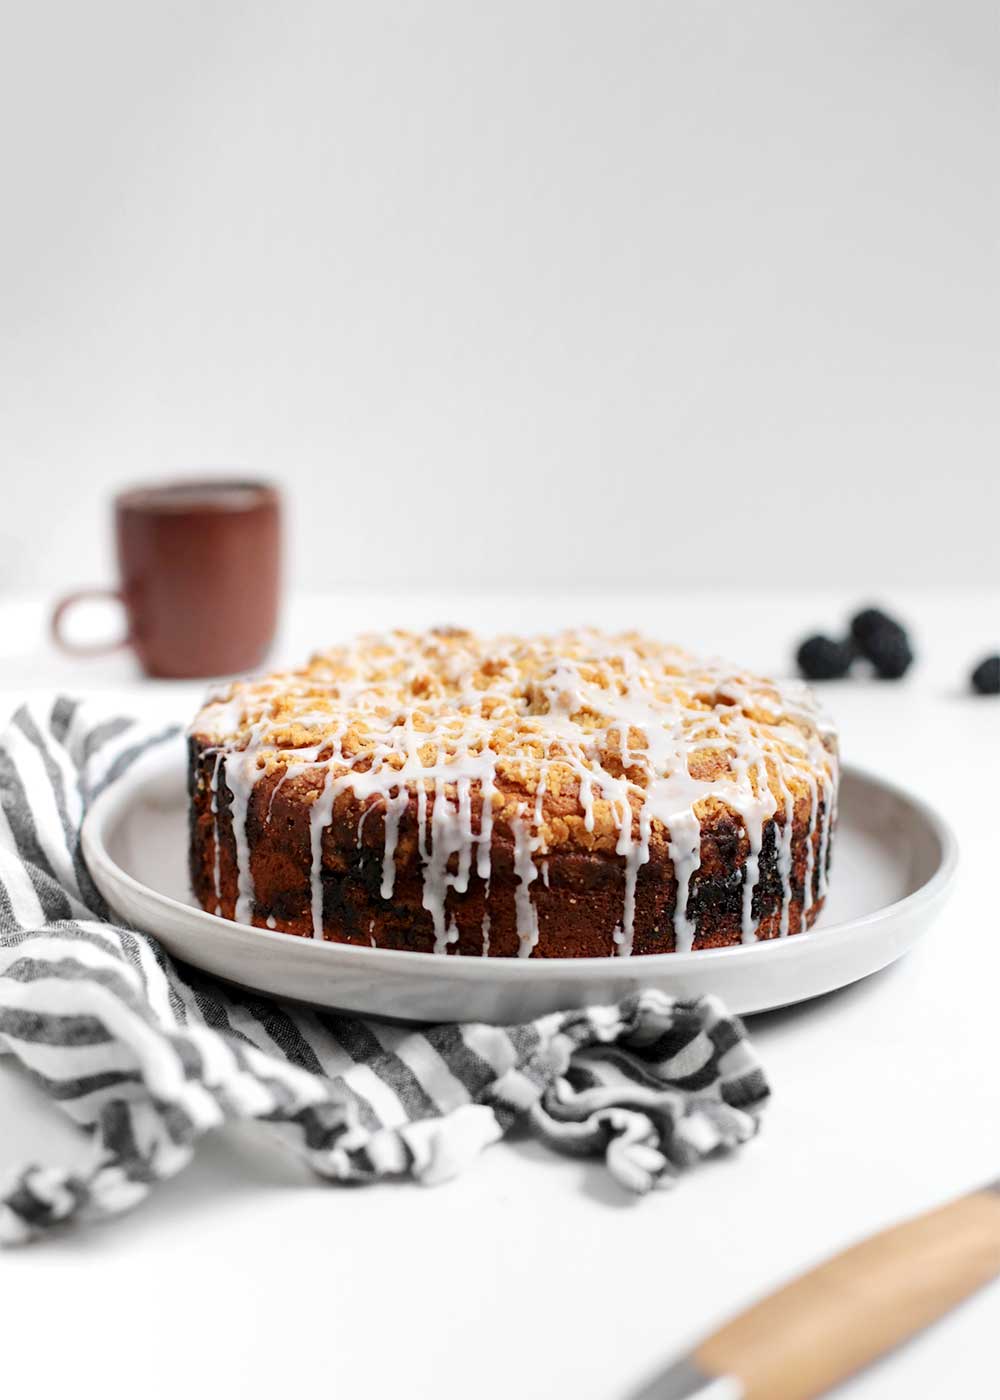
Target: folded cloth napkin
column 147, row 1055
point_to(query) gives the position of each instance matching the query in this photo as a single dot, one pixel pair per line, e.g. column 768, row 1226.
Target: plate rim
column 112, row 798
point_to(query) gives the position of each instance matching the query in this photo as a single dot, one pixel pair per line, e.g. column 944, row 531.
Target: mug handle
column 84, row 648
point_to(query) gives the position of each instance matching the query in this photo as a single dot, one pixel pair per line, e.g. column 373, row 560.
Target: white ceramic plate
column 894, row 862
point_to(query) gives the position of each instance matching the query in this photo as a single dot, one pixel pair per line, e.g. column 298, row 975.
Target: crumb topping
column 585, row 739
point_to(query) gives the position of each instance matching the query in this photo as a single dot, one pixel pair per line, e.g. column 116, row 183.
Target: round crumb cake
column 579, row 795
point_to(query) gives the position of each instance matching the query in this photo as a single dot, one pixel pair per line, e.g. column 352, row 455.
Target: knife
column 829, row 1323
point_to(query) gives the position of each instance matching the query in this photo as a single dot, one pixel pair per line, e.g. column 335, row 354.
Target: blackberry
column 882, row 640
column 986, row 677
column 823, row 659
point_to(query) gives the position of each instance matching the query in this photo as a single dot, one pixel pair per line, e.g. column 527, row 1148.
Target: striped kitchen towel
column 147, row 1056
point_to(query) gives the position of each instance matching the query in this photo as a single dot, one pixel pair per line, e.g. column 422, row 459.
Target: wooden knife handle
column 829, row 1323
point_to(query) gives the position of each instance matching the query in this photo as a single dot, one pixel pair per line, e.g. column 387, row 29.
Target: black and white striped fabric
column 148, row 1056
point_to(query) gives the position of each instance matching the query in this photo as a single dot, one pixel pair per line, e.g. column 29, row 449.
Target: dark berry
column 823, row 659
column 881, row 640
column 869, row 625
column 891, row 655
column 986, row 676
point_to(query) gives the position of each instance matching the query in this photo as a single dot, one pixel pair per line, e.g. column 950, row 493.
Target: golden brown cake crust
column 546, row 797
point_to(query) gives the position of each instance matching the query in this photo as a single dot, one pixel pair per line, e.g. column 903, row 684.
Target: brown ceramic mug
column 199, row 562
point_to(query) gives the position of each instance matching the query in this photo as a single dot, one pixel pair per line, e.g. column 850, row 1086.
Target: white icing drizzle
column 484, row 844
column 526, row 872
column 751, row 874
column 241, row 774
column 320, row 814
column 685, row 853
column 448, row 838
column 807, row 891
column 587, row 800
column 361, row 827
column 396, row 800
column 636, row 853
column 641, row 735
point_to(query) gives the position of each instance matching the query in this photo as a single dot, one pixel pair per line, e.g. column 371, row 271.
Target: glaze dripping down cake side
column 579, row 795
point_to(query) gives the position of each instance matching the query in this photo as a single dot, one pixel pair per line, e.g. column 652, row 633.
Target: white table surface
column 534, row 1275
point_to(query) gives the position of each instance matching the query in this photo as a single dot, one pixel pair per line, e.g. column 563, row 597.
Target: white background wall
column 604, row 293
